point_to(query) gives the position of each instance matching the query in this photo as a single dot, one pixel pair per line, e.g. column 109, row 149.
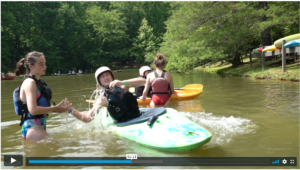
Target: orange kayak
column 189, row 91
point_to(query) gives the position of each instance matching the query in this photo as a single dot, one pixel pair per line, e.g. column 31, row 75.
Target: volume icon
column 276, row 162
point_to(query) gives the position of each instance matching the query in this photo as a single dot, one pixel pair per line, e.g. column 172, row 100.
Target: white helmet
column 102, row 70
column 143, row 69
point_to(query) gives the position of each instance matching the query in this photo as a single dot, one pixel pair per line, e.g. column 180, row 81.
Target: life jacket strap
column 25, row 117
column 159, row 93
column 162, row 74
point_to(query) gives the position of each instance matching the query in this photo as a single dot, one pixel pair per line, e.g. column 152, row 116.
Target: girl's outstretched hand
column 64, row 106
column 115, row 83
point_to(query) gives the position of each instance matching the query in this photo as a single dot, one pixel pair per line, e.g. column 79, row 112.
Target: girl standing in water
column 32, row 99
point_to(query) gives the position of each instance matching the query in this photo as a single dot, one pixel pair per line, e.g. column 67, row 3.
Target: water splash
column 9, row 123
column 97, row 93
column 224, row 129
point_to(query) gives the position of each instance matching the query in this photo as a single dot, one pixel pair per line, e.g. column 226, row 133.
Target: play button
column 13, row 160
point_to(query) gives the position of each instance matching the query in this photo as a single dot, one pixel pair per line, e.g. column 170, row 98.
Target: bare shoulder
column 151, row 76
column 169, row 74
column 29, row 82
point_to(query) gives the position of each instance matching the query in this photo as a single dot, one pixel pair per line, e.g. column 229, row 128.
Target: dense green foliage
column 84, row 35
column 201, row 32
column 79, row 35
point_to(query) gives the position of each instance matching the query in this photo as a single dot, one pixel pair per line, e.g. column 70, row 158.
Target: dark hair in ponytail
column 160, row 61
column 22, row 66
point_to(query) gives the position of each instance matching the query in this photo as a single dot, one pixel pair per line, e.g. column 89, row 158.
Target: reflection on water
column 246, row 117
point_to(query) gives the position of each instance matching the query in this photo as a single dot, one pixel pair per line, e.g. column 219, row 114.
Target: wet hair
column 22, row 66
column 160, row 61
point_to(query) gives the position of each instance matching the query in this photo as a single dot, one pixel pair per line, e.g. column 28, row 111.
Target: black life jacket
column 122, row 106
column 21, row 108
column 140, row 89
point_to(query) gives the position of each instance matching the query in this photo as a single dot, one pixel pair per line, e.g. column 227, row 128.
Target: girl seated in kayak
column 144, row 71
column 109, row 95
column 138, row 83
column 161, row 83
column 32, row 97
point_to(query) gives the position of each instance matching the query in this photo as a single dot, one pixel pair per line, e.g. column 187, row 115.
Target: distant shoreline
column 273, row 69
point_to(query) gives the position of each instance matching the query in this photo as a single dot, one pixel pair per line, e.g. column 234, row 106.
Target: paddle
column 187, row 87
column 191, row 87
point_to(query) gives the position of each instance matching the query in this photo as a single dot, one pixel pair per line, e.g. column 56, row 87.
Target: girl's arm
column 172, row 85
column 89, row 117
column 147, row 87
column 131, row 82
column 84, row 117
column 30, row 89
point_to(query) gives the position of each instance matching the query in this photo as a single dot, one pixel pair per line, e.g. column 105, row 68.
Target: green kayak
column 172, row 131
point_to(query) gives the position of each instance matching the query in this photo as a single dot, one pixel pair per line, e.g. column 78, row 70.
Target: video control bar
column 161, row 161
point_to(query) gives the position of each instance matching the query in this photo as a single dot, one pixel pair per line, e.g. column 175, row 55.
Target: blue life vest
column 21, row 108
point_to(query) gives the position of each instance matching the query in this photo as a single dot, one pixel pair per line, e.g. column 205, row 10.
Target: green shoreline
column 273, row 69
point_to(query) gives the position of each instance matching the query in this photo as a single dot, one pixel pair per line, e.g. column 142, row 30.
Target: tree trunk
column 235, row 61
column 18, row 52
column 131, row 64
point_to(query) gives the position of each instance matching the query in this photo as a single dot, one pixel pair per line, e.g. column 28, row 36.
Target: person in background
column 73, row 72
column 161, row 83
column 33, row 96
column 138, row 83
column 144, row 71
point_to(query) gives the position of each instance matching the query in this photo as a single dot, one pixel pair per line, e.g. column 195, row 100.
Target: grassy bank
column 273, row 69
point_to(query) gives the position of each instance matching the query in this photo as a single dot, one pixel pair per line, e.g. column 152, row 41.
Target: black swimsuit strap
column 162, row 74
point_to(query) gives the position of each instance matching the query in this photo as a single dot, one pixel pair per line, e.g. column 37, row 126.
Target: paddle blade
column 192, row 87
column 132, row 90
column 90, row 101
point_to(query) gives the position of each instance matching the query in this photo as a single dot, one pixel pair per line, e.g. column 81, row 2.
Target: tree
column 110, row 33
column 204, row 30
column 156, row 13
column 213, row 31
column 145, row 42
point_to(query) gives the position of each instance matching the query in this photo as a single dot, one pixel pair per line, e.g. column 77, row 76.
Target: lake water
column 247, row 117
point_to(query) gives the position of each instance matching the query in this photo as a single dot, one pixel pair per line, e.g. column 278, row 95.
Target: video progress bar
column 92, row 161
column 161, row 161
column 89, row 161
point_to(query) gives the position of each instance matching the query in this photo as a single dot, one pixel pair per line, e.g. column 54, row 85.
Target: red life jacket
column 160, row 85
